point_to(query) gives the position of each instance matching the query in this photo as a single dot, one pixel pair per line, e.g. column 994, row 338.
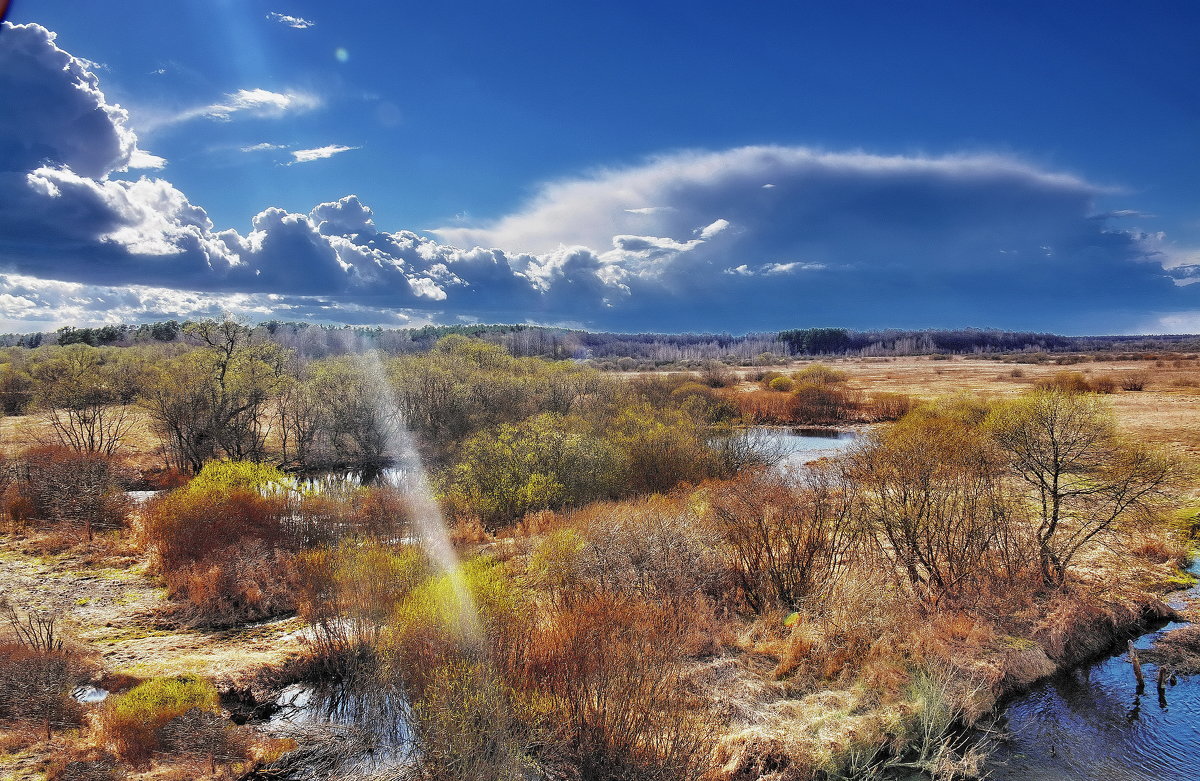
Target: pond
column 799, row 446
column 795, row 446
column 1089, row 724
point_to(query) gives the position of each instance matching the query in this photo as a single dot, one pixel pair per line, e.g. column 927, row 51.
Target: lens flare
column 341, row 54
column 430, row 525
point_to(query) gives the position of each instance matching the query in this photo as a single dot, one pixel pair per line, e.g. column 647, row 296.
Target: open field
column 1167, row 412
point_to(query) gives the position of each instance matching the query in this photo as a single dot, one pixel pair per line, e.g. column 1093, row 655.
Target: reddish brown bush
column 36, row 685
column 612, row 666
column 226, row 552
column 1134, row 381
column 185, row 528
column 822, row 403
column 786, row 540
column 888, row 406
column 764, row 407
column 1067, row 382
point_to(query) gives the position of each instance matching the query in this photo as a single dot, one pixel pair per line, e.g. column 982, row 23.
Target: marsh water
column 794, row 446
column 1090, row 724
column 799, row 446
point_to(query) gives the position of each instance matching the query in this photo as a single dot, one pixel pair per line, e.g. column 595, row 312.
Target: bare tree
column 216, row 400
column 37, row 673
column 86, row 399
column 934, row 504
column 789, row 539
column 1084, row 477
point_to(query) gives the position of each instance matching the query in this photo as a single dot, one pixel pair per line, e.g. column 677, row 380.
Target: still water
column 799, row 446
column 794, row 446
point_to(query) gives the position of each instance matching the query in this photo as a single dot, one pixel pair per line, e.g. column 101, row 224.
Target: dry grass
column 106, row 596
column 1165, row 413
column 141, row 448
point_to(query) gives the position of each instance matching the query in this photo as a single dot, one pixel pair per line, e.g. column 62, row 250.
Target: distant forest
column 608, row 350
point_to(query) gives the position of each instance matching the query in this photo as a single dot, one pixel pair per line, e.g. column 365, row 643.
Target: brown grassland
column 851, row 676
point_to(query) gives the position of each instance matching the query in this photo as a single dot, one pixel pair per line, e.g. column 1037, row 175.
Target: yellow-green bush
column 782, row 384
column 819, row 374
column 350, row 592
column 129, row 721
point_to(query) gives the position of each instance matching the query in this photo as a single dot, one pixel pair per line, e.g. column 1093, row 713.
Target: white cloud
column 787, row 268
column 91, row 65
column 688, row 187
column 255, row 103
column 63, row 115
column 714, row 250
column 143, row 159
column 291, row 21
column 259, row 102
column 320, row 153
column 766, row 269
column 263, row 147
column 713, row 229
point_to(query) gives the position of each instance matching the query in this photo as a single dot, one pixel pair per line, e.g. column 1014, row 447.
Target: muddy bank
column 1092, row 636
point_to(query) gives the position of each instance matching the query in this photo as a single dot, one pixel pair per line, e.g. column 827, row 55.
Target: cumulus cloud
column 141, row 159
column 319, row 153
column 295, row 22
column 693, row 240
column 54, row 109
column 30, row 303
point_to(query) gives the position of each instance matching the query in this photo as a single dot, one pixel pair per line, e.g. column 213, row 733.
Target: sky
column 649, row 166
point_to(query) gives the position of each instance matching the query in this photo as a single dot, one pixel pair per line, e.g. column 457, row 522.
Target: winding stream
column 1089, row 724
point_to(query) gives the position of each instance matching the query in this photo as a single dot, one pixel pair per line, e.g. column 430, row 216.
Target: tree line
column 605, row 349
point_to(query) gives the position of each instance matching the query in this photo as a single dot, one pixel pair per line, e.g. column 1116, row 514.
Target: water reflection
column 380, row 715
column 799, row 446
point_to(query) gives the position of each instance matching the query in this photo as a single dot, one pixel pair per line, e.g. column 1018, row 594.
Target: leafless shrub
column 935, row 505
column 203, row 735
column 787, row 539
column 1134, row 381
column 37, row 671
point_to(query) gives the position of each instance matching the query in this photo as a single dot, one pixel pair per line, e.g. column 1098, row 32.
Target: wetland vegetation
column 565, row 573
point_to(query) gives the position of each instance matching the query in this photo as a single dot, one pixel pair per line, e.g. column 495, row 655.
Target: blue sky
column 625, row 166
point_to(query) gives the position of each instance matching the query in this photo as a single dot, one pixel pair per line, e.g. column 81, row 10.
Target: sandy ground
column 105, row 600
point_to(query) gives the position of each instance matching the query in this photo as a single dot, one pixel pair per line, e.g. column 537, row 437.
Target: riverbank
column 1096, row 720
column 904, row 699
